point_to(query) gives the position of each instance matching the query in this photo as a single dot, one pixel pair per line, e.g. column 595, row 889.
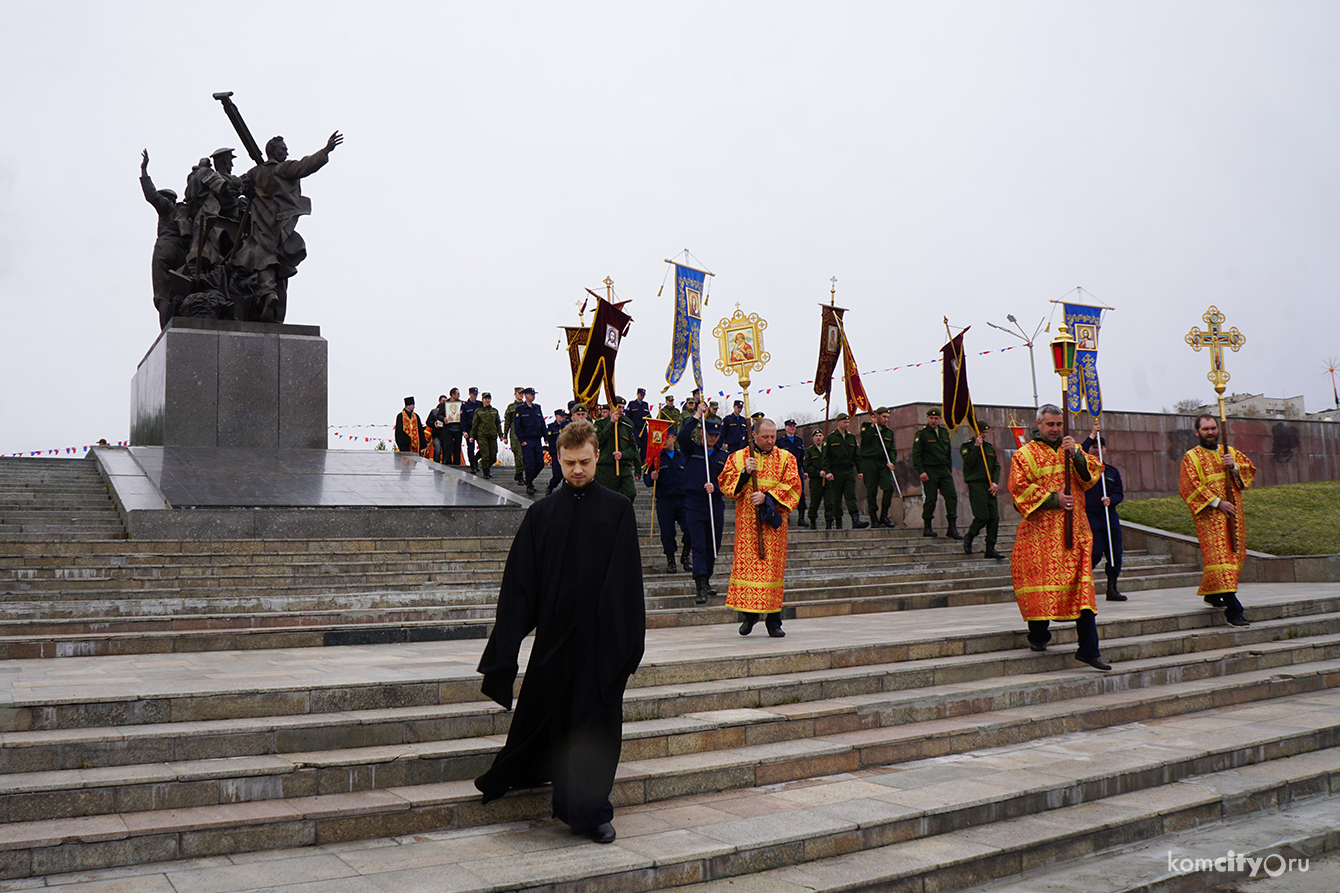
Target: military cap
column 932, row 412
column 474, row 390
column 486, row 394
column 841, row 417
column 169, row 193
column 983, row 426
column 641, row 391
column 528, row 390
column 217, row 152
column 560, row 412
column 881, row 410
column 409, row 401
column 669, row 398
column 579, row 407
column 789, row 422
column 739, row 403
column 619, row 401
column 518, row 389
column 757, row 415
column 713, row 427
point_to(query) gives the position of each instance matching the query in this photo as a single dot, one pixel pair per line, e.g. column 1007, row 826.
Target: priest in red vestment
column 1211, row 484
column 1052, row 582
column 766, row 484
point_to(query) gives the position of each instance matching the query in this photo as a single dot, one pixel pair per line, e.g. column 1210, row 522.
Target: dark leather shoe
column 1033, row 647
column 801, row 522
column 828, row 525
column 992, row 553
column 748, row 626
column 1237, row 621
column 953, row 533
column 777, row 632
column 1096, row 662
column 1114, row 596
column 707, row 587
column 837, row 522
column 926, row 531
column 858, row 524
column 602, row 833
column 670, row 566
column 1216, row 601
column 967, row 545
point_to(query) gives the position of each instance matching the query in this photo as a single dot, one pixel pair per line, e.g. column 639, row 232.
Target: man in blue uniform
column 734, row 429
column 551, row 444
column 637, row 412
column 701, row 496
column 790, row 441
column 1096, row 505
column 528, row 423
column 668, row 479
column 467, row 419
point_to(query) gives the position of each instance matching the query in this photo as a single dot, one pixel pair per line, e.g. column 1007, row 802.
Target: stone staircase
column 85, row 598
column 54, row 500
column 921, row 750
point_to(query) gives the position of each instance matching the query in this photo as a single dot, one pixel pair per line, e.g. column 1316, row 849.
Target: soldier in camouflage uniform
column 931, row 459
column 486, row 429
column 619, row 475
column 839, row 465
column 877, row 466
column 509, row 433
column 982, row 483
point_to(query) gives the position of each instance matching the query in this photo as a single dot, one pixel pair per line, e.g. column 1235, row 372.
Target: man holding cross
column 1211, row 485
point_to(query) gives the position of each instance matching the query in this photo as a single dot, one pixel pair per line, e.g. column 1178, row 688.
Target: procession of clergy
column 574, row 572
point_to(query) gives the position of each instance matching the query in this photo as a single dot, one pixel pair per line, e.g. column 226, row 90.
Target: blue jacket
column 695, row 472
column 528, row 422
column 669, row 481
column 734, row 432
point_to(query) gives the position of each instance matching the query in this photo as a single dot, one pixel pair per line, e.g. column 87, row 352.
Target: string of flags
column 64, row 450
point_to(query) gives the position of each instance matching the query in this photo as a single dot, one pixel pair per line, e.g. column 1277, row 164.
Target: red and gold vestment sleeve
column 1200, row 482
column 780, row 479
column 1246, row 470
column 1095, row 473
column 1030, row 474
column 730, row 475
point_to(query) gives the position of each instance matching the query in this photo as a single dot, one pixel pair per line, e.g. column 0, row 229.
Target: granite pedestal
column 221, row 383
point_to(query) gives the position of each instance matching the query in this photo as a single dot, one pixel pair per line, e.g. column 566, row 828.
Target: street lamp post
column 1028, row 342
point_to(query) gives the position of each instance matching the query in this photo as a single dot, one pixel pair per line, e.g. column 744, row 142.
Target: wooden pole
column 1069, row 513
column 1228, row 478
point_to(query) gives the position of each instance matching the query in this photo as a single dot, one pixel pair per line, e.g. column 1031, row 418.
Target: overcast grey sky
column 960, row 159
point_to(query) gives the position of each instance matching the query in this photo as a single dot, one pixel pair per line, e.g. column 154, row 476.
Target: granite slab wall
column 221, row 383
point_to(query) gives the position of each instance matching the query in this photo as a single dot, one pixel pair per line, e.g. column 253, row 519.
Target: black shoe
column 530, row 490
column 926, row 531
column 487, row 476
column 1237, row 621
column 952, row 532
column 801, row 522
column 1114, row 596
column 1035, row 647
column 837, row 522
column 828, row 524
column 1216, row 601
column 701, row 597
column 670, row 566
column 967, row 545
column 1096, row 662
column 748, row 626
column 707, row 586
column 992, row 553
column 889, row 522
column 518, row 478
column 776, row 632
column 857, row 523
column 602, row 833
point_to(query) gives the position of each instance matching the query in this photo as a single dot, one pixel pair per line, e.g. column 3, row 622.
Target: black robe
column 574, row 576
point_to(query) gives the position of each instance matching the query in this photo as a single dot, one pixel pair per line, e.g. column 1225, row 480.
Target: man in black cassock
column 574, row 576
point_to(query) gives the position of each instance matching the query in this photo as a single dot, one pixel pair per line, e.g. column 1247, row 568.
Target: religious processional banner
column 830, row 348
column 688, row 323
column 857, row 401
column 602, row 345
column 656, row 429
column 957, row 403
column 1082, row 386
column 577, row 337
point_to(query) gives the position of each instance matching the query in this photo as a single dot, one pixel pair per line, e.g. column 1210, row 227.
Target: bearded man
column 1211, row 484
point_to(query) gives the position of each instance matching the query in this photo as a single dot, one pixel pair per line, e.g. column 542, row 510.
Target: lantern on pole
column 1063, row 359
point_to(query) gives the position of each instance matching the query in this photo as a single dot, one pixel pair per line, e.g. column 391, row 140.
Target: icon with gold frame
column 740, row 344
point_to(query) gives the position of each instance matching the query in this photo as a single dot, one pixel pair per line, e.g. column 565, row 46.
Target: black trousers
column 452, row 452
column 1086, row 628
column 669, row 512
column 700, row 538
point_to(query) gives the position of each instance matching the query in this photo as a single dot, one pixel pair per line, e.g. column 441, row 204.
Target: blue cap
column 713, row 427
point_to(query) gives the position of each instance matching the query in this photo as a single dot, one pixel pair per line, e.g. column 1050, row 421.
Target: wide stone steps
column 159, row 624
column 43, row 500
column 855, row 830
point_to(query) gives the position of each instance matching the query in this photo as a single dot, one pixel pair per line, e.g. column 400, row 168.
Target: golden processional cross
column 1216, row 339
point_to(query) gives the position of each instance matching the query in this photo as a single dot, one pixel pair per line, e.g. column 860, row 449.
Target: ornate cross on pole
column 1216, row 339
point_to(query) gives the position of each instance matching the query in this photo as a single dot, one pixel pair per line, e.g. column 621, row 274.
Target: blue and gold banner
column 688, row 322
column 1082, row 389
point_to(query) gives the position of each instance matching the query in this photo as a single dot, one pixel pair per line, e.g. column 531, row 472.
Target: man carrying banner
column 620, row 462
column 1052, row 582
column 766, row 484
column 930, row 459
column 1100, row 504
column 703, row 504
column 878, row 455
column 840, row 472
column 814, row 470
column 665, row 473
column 981, row 474
column 1205, row 474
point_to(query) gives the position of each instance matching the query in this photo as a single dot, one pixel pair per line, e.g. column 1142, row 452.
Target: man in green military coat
column 814, row 470
column 840, row 471
column 620, row 463
column 509, row 431
column 877, row 457
column 931, row 460
column 668, row 412
column 981, row 474
column 486, row 429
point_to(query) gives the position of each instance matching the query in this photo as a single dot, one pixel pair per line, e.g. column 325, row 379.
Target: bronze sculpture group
column 227, row 249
